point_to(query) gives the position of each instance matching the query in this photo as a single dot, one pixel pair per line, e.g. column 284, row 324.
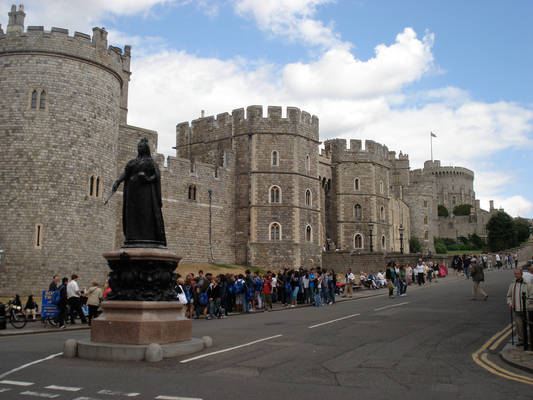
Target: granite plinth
column 141, row 323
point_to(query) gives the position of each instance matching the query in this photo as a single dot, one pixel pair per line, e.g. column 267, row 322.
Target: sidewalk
column 37, row 326
column 517, row 357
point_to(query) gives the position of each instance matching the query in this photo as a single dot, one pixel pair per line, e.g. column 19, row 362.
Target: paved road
column 376, row 348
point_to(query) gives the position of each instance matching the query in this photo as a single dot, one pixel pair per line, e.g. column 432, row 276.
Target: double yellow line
column 480, row 357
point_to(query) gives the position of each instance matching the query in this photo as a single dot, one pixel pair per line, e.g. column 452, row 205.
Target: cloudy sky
column 386, row 70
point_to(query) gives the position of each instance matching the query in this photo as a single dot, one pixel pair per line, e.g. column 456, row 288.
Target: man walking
column 419, row 270
column 477, row 276
column 348, row 287
column 514, row 299
column 74, row 302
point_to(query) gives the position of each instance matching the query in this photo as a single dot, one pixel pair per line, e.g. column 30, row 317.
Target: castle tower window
column 308, row 198
column 356, row 184
column 425, row 203
column 42, row 100
column 192, row 192
column 308, row 234
column 358, row 241
column 97, row 189
column 91, row 186
column 383, row 243
column 426, row 235
column 275, row 231
column 274, row 159
column 34, row 99
column 357, row 211
column 308, row 163
column 192, row 167
column 382, row 213
column 275, row 194
column 38, row 242
column 425, row 219
column 454, row 200
column 381, row 187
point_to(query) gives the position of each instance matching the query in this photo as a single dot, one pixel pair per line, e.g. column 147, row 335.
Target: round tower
column 63, row 98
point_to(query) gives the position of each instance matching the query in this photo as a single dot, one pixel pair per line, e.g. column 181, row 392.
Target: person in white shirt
column 74, row 301
column 419, row 270
column 527, row 275
column 381, row 279
column 350, row 278
column 514, row 300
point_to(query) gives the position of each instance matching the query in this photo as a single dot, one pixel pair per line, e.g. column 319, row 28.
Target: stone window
column 358, row 241
column 33, row 99
column 38, row 240
column 425, row 204
column 426, row 235
column 275, row 194
column 94, row 186
column 275, row 231
column 42, row 100
column 215, row 173
column 308, row 163
column 382, row 213
column 454, row 200
column 383, row 243
column 425, row 219
column 308, row 233
column 192, row 192
column 192, row 167
column 381, row 187
column 357, row 211
column 356, row 184
column 274, row 159
column 308, row 198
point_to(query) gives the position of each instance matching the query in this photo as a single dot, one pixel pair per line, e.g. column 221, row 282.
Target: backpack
column 249, row 294
column 258, row 285
column 56, row 295
column 203, row 299
column 239, row 286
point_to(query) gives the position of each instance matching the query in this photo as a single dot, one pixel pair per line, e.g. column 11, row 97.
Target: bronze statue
column 142, row 219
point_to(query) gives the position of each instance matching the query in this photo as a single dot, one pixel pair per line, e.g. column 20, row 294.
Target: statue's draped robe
column 141, row 210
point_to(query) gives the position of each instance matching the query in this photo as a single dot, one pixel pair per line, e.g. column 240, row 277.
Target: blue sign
column 48, row 309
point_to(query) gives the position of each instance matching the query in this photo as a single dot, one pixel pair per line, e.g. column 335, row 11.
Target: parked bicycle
column 52, row 321
column 16, row 316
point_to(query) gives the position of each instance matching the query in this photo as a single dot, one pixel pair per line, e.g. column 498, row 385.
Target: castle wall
column 50, row 153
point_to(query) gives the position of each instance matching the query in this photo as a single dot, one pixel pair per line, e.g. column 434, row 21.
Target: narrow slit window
column 275, row 159
column 308, row 198
column 357, row 211
column 97, row 187
column 34, row 99
column 308, row 233
column 91, row 186
column 38, row 236
column 42, row 100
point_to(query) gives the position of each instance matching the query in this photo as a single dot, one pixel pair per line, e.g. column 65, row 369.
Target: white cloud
column 291, row 18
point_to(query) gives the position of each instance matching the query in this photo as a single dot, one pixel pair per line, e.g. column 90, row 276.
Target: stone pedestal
column 141, row 322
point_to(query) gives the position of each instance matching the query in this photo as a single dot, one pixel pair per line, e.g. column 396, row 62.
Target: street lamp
column 370, row 227
column 401, row 228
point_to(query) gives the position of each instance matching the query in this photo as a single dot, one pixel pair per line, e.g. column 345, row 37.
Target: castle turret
column 16, row 19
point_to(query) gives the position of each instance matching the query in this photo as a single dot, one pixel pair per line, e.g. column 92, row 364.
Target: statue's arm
column 118, row 181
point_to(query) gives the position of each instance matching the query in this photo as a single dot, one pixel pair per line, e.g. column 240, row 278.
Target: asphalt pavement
column 408, row 347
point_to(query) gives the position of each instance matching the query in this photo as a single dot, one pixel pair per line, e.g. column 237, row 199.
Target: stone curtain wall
column 49, row 155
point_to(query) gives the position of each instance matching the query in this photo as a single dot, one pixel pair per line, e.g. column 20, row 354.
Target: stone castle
column 244, row 188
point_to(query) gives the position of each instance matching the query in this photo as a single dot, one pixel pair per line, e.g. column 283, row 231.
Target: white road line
column 40, row 394
column 2, row 390
column 29, row 364
column 65, row 388
column 332, row 321
column 86, row 398
column 16, row 383
column 229, row 349
column 116, row 393
column 393, row 305
column 176, row 398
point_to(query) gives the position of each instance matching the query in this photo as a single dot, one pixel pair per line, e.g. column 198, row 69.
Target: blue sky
column 386, row 70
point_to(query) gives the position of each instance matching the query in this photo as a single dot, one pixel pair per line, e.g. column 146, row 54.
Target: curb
column 13, row 332
column 509, row 359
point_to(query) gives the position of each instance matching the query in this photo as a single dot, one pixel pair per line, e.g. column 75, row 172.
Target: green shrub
column 462, row 209
column 414, row 245
column 442, row 211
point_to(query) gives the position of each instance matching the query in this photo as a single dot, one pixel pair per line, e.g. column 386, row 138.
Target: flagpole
column 431, row 144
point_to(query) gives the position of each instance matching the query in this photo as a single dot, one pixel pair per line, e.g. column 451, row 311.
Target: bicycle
column 52, row 321
column 16, row 315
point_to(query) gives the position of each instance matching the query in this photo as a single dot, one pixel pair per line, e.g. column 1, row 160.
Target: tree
column 440, row 247
column 414, row 245
column 476, row 241
column 462, row 209
column 501, row 232
column 442, row 211
column 521, row 227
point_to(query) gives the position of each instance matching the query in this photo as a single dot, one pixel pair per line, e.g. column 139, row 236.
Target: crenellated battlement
column 58, row 43
column 243, row 122
column 435, row 168
column 338, row 150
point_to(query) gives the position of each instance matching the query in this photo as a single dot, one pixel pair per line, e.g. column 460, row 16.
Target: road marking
column 29, row 364
column 16, row 383
column 65, row 388
column 229, row 349
column 500, row 340
column 116, row 393
column 391, row 306
column 40, row 394
column 2, row 390
column 86, row 398
column 332, row 321
column 481, row 359
column 176, row 398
